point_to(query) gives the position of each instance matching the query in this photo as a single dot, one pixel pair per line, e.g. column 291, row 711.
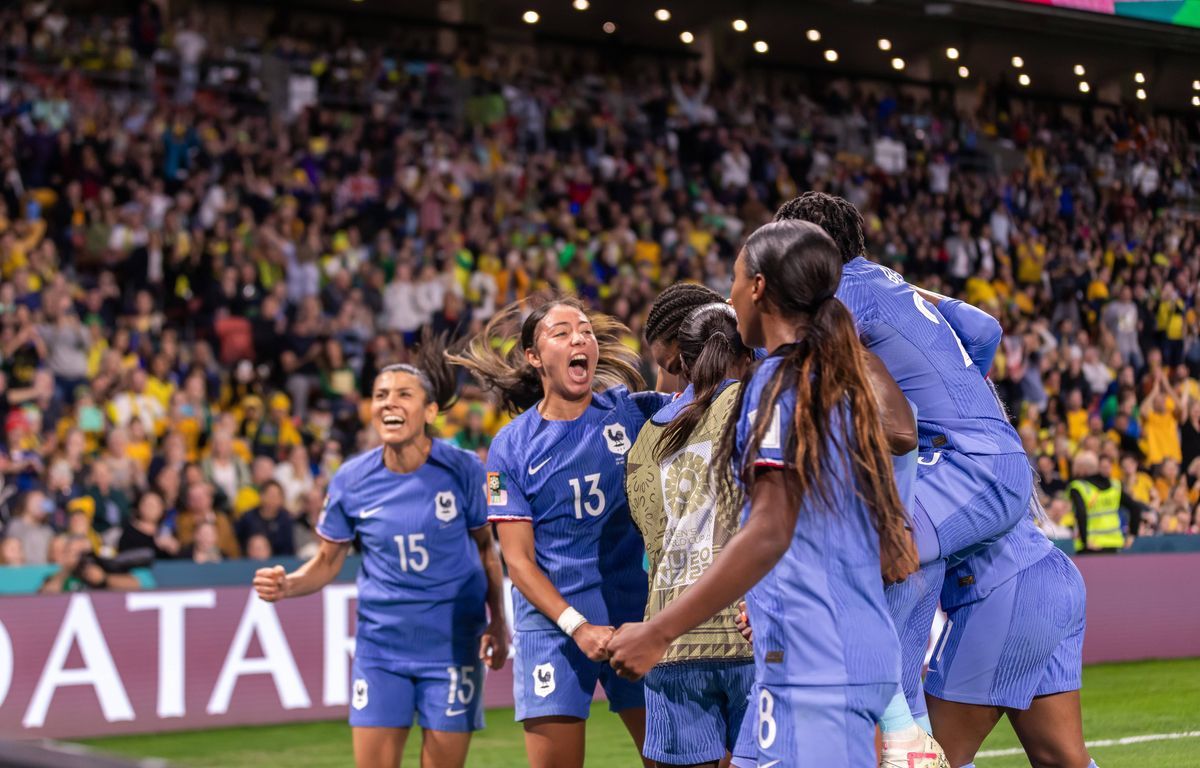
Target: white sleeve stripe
column 334, row 539
column 509, row 519
column 769, row 463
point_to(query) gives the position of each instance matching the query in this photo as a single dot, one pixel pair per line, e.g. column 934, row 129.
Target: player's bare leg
column 555, row 742
column 378, row 747
column 635, row 723
column 961, row 728
column 1051, row 731
column 444, row 749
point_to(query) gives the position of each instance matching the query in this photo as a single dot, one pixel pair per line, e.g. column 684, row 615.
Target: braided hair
column 673, row 305
column 836, row 215
column 710, row 349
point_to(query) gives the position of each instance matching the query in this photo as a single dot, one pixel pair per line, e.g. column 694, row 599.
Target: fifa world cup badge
column 497, row 494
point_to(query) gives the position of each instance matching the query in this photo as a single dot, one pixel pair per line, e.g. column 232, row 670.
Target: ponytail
column 837, row 417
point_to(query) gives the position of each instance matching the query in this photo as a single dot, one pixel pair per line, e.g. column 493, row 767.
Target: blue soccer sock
column 923, row 721
column 969, row 765
column 897, row 718
column 1092, row 764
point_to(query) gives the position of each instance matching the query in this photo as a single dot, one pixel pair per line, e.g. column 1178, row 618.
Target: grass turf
column 1118, row 700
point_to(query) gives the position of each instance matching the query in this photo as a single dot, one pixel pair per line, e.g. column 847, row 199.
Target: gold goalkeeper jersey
column 675, row 507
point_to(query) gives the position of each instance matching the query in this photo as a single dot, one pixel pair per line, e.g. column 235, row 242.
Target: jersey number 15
column 413, row 556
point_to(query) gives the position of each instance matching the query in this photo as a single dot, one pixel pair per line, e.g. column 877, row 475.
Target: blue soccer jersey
column 568, row 479
column 819, row 616
column 956, row 408
column 421, row 588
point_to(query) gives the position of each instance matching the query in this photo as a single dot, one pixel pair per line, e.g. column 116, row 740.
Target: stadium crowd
column 195, row 297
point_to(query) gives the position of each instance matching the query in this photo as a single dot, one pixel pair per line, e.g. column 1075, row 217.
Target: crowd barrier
column 188, row 657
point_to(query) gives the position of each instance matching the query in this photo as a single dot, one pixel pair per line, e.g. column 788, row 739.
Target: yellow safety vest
column 1103, row 515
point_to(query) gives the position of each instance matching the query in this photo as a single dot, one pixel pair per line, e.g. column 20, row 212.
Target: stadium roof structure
column 1053, row 40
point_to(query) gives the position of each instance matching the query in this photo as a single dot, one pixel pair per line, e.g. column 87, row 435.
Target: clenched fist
column 271, row 583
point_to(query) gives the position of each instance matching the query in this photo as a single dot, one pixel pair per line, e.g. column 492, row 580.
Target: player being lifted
column 823, row 516
column 556, row 489
column 429, row 578
column 696, row 697
column 974, row 484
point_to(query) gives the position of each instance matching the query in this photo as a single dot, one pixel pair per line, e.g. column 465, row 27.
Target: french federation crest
column 445, row 506
column 543, row 680
column 360, row 693
column 618, row 441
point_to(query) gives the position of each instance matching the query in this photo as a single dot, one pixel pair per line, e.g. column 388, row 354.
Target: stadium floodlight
column 952, row 53
column 1079, row 70
column 581, row 5
column 1024, row 80
column 1196, row 101
column 1141, row 94
column 740, row 25
column 897, row 63
column 963, row 72
column 831, row 55
column 530, row 17
column 1138, row 77
column 686, row 37
column 609, row 27
column 885, row 44
column 813, row 35
column 1018, row 62
column 662, row 14
column 1084, row 87
column 760, row 46
column 1196, row 85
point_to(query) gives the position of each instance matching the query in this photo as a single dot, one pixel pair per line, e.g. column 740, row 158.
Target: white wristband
column 570, row 620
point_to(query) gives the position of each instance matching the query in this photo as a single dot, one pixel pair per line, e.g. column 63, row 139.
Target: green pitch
column 1157, row 697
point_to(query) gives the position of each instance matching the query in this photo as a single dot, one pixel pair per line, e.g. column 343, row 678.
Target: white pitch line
column 1105, row 742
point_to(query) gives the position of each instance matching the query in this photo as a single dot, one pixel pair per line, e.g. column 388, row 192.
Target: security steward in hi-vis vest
column 1097, row 502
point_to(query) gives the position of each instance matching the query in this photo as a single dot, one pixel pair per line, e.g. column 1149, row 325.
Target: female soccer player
column 556, row 488
column 430, row 567
column 823, row 516
column 697, row 695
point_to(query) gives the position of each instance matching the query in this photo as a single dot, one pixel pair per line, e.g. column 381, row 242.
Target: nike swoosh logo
column 454, row 712
column 370, row 512
column 533, row 470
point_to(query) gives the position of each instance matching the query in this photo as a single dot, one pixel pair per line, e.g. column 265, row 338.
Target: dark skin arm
column 898, row 422
column 749, row 556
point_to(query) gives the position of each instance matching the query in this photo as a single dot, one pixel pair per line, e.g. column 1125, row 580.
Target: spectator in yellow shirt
column 1160, row 423
column 1077, row 417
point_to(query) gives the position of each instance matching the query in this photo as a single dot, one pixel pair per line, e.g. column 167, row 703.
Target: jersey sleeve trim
column 333, row 539
column 509, row 519
column 770, row 463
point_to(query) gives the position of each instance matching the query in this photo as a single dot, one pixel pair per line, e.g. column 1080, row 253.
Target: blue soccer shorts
column 694, row 710
column 443, row 697
column 553, row 678
column 826, row 726
column 1024, row 639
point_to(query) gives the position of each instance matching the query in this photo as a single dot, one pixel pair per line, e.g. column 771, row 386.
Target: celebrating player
column 973, row 485
column 823, row 516
column 697, row 695
column 556, row 488
column 430, row 567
